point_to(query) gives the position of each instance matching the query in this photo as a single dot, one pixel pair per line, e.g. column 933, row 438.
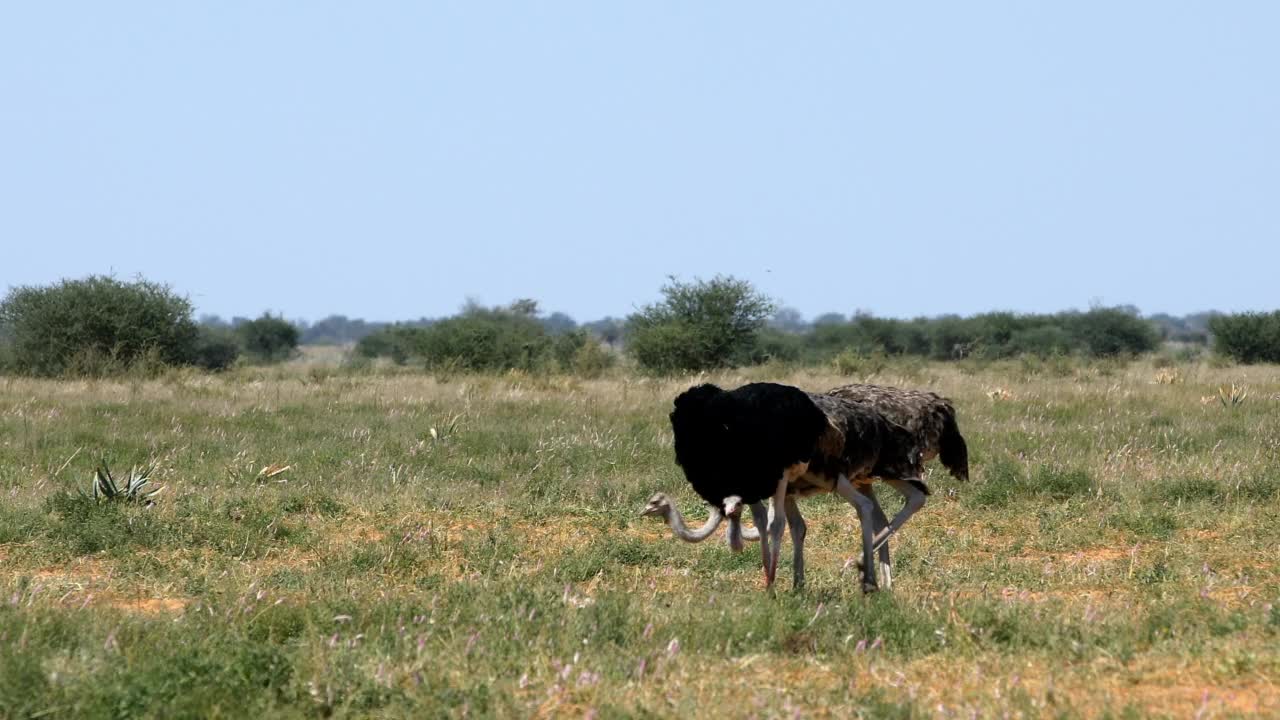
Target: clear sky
column 388, row 160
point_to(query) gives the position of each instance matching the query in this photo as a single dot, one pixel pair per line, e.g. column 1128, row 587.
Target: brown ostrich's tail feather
column 952, row 450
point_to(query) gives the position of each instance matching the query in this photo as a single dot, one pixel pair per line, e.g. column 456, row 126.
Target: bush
column 592, row 360
column 701, row 325
column 566, row 344
column 1247, row 337
column 1110, row 332
column 668, row 348
column 484, row 339
column 850, row 363
column 95, row 326
column 1042, row 342
column 392, row 342
column 777, row 346
column 6, row 354
column 951, row 338
column 216, row 348
column 337, row 330
column 490, row 339
column 269, row 339
column 1104, row 332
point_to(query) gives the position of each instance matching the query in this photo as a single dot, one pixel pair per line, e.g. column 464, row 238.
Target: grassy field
column 469, row 546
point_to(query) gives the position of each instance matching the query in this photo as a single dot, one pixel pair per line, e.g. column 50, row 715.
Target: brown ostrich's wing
column 897, row 404
column 923, row 413
column 832, row 440
column 831, row 443
column 852, row 441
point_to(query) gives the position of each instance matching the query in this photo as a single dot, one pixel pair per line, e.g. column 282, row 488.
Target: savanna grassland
column 469, row 546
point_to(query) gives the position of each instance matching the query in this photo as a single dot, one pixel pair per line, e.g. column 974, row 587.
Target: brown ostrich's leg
column 915, row 500
column 866, row 519
column 881, row 522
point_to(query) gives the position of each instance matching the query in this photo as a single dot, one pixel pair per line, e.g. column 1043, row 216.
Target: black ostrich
column 766, row 445
column 930, row 417
column 659, row 504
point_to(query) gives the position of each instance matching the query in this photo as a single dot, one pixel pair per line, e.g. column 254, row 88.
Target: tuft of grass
column 311, row 503
column 1156, row 573
column 1258, row 488
column 1061, row 484
column 1146, row 523
column 1005, row 482
column 490, row 550
column 633, row 552
column 84, row 527
column 1192, row 489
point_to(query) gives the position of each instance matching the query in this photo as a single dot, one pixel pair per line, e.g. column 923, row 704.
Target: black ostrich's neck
column 676, row 521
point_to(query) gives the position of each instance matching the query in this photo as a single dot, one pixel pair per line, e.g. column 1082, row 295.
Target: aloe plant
column 1232, row 395
column 106, row 488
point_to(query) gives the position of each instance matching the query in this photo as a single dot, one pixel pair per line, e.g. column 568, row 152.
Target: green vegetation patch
column 1006, row 482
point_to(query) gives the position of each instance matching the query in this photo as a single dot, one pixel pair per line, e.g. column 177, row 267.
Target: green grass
column 1113, row 556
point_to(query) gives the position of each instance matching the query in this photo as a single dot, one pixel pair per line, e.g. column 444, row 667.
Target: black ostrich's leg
column 761, row 518
column 798, row 531
column 777, row 524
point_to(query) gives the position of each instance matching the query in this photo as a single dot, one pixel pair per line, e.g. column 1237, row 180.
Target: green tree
column 1247, row 337
column 788, row 320
column 479, row 339
column 700, row 325
column 1107, row 332
column 558, row 323
column 95, row 326
column 486, row 339
column 268, row 339
column 217, row 348
column 609, row 329
column 393, row 342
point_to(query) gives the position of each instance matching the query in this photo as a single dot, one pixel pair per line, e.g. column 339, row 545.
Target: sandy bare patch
column 1096, row 596
column 356, row 533
column 150, row 606
column 1083, row 556
column 78, row 574
column 1180, row 694
column 1155, row 688
column 276, row 560
column 1236, row 596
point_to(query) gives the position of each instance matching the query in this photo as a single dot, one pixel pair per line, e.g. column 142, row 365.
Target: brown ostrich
column 931, row 418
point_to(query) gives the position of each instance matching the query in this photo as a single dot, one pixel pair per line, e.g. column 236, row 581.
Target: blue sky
column 388, row 160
